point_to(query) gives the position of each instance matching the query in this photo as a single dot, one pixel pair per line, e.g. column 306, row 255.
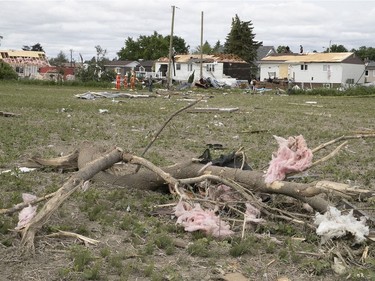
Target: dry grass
column 135, row 243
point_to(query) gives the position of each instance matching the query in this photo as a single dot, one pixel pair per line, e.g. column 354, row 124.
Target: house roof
column 264, row 51
column 130, row 63
column 312, row 57
column 13, row 57
column 206, row 58
column 370, row 65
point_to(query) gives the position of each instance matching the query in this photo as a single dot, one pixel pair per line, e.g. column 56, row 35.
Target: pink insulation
column 195, row 218
column 292, row 156
column 252, row 214
column 27, row 213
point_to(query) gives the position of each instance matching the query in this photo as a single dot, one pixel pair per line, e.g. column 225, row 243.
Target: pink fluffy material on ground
column 292, row 156
column 27, row 213
column 195, row 218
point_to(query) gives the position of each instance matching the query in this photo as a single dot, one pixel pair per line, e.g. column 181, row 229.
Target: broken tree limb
column 329, row 156
column 84, row 174
column 64, row 162
column 359, row 136
column 165, row 124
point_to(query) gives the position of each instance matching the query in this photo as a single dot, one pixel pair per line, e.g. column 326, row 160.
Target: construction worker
column 125, row 81
column 118, row 82
column 132, row 81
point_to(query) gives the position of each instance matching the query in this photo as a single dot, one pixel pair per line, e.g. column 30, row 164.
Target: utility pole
column 169, row 80
column 1, row 37
column 71, row 57
column 201, row 65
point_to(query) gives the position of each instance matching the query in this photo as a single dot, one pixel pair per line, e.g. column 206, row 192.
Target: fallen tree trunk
column 93, row 161
column 84, row 174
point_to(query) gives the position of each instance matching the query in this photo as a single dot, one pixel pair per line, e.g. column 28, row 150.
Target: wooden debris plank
column 8, row 114
column 213, row 109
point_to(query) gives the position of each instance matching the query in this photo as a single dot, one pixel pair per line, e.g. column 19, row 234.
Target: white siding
column 325, row 73
column 355, row 72
column 183, row 73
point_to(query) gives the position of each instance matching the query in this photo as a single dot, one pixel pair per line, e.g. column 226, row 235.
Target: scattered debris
column 236, row 276
column 26, row 213
column 195, row 218
column 110, row 95
column 252, row 214
column 292, row 156
column 333, row 225
column 9, row 114
column 101, row 111
column 305, row 104
column 213, row 109
column 17, row 170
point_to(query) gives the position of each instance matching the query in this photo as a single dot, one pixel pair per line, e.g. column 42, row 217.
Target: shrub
column 7, row 72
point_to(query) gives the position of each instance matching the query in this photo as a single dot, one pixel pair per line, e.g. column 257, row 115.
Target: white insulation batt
column 333, row 225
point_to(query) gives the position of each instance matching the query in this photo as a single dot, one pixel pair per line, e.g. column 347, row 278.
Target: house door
column 163, row 69
column 283, row 71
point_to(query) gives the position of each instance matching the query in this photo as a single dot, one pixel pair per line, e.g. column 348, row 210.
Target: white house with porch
column 314, row 69
column 222, row 67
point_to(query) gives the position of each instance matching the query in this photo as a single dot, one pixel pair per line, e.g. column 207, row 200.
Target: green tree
column 283, row 49
column 60, row 59
column 151, row 47
column 241, row 40
column 94, row 69
column 336, row 49
column 218, row 48
column 206, row 49
column 37, row 48
column 7, row 72
column 365, row 53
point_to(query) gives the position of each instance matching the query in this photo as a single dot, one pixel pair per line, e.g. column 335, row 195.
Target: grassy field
column 137, row 244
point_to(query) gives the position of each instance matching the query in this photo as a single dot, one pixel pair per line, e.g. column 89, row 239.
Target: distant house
column 56, row 73
column 220, row 67
column 142, row 68
column 314, row 69
column 262, row 52
column 370, row 72
column 26, row 63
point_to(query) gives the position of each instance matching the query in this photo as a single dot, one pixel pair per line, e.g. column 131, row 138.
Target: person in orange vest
column 132, row 81
column 118, row 82
column 125, row 81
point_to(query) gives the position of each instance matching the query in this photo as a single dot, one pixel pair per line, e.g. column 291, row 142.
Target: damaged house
column 370, row 72
column 142, row 68
column 27, row 64
column 314, row 69
column 221, row 67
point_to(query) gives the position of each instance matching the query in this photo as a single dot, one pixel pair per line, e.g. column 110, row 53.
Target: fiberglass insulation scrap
column 332, row 224
column 195, row 218
column 292, row 156
column 27, row 213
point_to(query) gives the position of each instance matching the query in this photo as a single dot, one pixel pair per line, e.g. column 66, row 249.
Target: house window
column 118, row 70
column 303, row 66
column 271, row 75
column 190, row 67
column 178, row 66
column 326, row 67
column 210, row 67
column 350, row 81
column 366, row 73
column 19, row 69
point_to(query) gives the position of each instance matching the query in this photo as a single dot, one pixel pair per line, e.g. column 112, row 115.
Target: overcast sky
column 80, row 25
